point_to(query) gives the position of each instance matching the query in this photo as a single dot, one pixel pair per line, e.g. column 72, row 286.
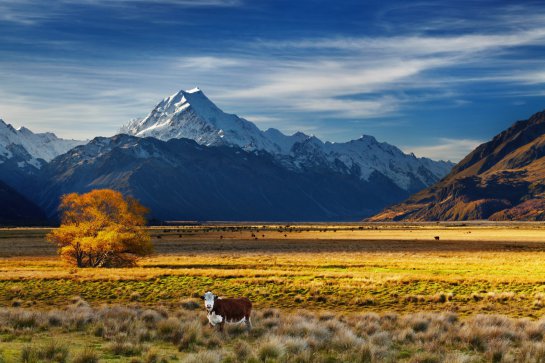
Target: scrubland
column 129, row 333
column 335, row 293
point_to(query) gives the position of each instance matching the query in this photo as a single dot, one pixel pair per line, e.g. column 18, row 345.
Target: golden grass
column 83, row 334
column 473, row 268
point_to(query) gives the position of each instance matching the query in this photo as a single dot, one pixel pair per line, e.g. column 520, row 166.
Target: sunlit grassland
column 81, row 333
column 471, row 269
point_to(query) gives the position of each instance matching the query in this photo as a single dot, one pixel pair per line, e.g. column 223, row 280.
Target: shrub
column 53, row 352
column 79, row 316
column 236, row 330
column 151, row 317
column 192, row 336
column 125, row 348
column 190, row 304
column 203, row 357
column 21, row 319
column 439, row 298
column 29, row 354
column 242, row 350
column 426, row 357
column 295, row 345
column 87, row 355
column 345, row 339
column 365, row 354
column 55, row 318
column 169, row 330
column 152, row 356
column 101, row 229
column 272, row 348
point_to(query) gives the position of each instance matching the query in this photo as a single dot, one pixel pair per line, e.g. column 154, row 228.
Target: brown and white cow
column 221, row 311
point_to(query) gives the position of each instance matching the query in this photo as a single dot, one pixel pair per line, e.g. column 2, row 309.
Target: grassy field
column 80, row 333
column 442, row 273
column 471, row 268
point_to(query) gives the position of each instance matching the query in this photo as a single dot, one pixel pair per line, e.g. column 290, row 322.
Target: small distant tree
column 101, row 229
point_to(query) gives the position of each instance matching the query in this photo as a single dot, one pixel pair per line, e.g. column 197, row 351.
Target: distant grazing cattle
column 436, row 238
column 221, row 310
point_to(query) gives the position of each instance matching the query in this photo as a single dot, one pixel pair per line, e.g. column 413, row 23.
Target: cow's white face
column 209, row 300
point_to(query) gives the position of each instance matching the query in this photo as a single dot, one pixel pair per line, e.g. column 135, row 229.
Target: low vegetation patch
column 159, row 335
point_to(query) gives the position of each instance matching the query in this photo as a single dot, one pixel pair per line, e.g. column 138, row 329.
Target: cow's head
column 209, row 299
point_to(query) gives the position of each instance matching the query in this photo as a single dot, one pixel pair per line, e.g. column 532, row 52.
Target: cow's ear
column 202, row 297
column 215, row 297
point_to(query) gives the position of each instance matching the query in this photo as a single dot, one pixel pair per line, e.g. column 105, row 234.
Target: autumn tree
column 101, row 229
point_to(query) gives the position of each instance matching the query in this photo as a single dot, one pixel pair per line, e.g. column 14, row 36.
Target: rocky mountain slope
column 23, row 153
column 17, row 210
column 503, row 179
column 190, row 114
column 39, row 146
column 180, row 179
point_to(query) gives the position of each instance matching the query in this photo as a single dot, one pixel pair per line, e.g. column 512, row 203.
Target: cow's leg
column 248, row 322
column 221, row 325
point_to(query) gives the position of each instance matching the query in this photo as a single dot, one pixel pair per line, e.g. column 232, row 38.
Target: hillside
column 180, row 179
column 16, row 210
column 503, row 179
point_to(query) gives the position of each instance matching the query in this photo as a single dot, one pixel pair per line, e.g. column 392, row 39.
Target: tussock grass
column 170, row 330
column 52, row 351
column 143, row 334
column 87, row 355
column 203, row 357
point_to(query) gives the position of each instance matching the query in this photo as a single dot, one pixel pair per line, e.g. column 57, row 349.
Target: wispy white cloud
column 347, row 108
column 420, row 45
column 333, row 76
column 206, row 63
column 367, row 65
column 262, row 119
column 25, row 12
column 445, row 149
column 31, row 12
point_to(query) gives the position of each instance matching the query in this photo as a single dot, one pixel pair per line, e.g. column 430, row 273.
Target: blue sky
column 432, row 77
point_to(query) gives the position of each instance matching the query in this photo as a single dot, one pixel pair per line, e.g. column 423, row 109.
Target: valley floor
column 477, row 289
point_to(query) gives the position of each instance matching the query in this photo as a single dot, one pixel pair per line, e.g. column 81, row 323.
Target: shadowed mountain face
column 180, row 179
column 503, row 179
column 16, row 210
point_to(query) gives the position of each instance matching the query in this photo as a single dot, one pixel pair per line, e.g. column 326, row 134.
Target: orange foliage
column 101, row 229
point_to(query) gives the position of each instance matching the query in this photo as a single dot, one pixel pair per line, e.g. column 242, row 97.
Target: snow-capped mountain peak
column 190, row 114
column 27, row 148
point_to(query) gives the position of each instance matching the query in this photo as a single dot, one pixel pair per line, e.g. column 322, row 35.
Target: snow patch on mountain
column 30, row 149
column 369, row 155
column 190, row 114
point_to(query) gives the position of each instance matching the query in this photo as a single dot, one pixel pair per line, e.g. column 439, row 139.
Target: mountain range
column 190, row 114
column 180, row 179
column 23, row 153
column 188, row 159
column 503, row 179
